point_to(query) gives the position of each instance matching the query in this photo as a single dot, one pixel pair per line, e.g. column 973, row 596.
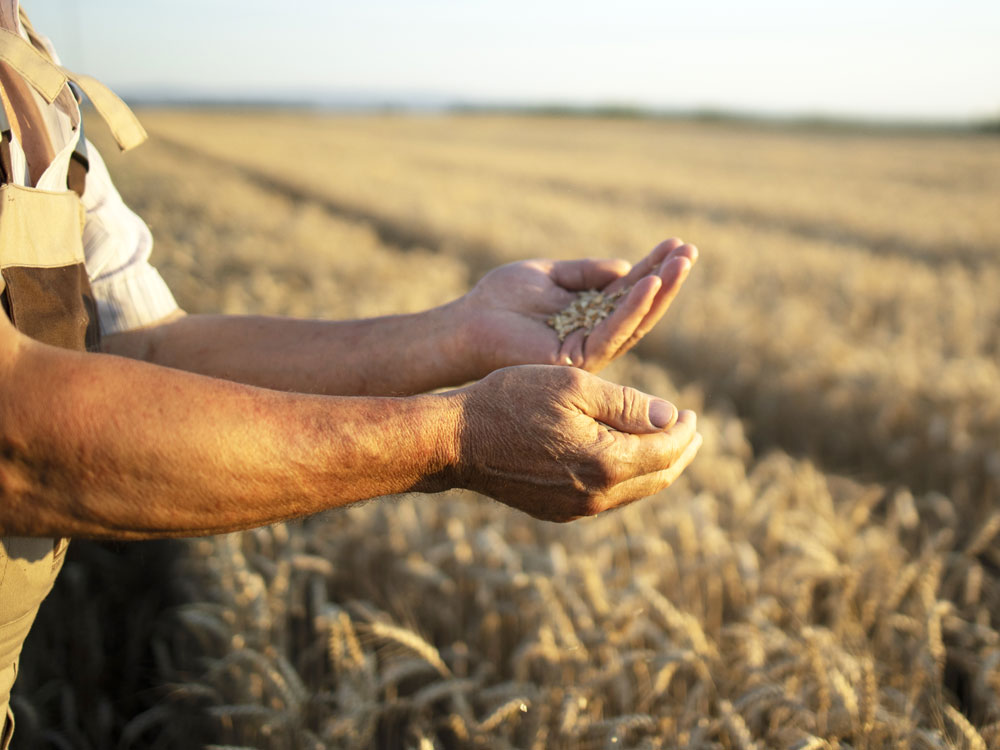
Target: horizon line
column 373, row 103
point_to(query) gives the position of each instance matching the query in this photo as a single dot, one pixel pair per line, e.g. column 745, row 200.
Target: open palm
column 509, row 308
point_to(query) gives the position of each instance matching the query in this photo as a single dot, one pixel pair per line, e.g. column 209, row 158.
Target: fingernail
column 661, row 413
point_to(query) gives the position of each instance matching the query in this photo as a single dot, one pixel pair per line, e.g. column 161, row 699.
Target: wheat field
column 825, row 575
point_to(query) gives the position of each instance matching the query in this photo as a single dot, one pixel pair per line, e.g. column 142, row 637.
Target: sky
column 873, row 59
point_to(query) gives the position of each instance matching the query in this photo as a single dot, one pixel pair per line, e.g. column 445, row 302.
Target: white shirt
column 129, row 292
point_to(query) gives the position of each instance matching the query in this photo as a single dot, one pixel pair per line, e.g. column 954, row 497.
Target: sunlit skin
column 300, row 416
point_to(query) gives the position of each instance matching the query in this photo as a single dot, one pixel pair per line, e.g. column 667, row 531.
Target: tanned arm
column 100, row 446
column 392, row 355
column 93, row 445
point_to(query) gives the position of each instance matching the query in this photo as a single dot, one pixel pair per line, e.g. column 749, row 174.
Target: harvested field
column 825, row 574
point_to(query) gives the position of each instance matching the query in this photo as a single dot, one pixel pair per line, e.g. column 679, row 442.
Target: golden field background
column 826, row 573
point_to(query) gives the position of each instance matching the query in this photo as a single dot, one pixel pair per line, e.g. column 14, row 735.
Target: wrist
column 442, row 420
column 459, row 342
column 477, row 337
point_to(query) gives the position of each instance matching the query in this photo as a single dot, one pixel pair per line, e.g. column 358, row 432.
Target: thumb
column 628, row 410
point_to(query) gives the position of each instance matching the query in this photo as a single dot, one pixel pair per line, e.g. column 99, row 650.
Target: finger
column 660, row 454
column 675, row 271
column 688, row 251
column 676, row 266
column 578, row 275
column 638, row 488
column 625, row 409
column 657, row 451
column 571, row 351
column 648, row 264
column 612, row 333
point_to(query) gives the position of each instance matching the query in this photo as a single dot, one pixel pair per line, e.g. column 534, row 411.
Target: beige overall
column 45, row 292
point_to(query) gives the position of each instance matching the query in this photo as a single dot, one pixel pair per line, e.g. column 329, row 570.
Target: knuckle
column 574, row 376
column 571, row 379
column 633, row 405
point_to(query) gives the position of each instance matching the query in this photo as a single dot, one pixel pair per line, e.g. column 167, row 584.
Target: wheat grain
column 352, row 645
column 973, row 589
column 986, row 533
column 678, row 621
column 588, row 309
column 762, row 695
column 573, row 703
column 564, row 625
column 973, row 740
column 847, row 696
column 819, row 672
column 991, row 734
column 935, row 642
column 458, row 726
column 412, row 641
column 869, row 696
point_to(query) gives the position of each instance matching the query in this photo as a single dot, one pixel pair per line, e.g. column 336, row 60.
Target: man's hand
column 508, row 310
column 559, row 444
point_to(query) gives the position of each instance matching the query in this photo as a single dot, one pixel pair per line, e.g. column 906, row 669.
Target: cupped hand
column 507, row 311
column 559, row 443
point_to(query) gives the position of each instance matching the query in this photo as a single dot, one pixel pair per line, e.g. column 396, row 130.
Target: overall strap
column 48, row 78
column 125, row 126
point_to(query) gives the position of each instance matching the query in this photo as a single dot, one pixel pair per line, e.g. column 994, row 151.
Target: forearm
column 101, row 446
column 393, row 355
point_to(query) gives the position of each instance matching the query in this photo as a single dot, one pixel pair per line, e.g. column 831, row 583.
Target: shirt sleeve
column 129, row 292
